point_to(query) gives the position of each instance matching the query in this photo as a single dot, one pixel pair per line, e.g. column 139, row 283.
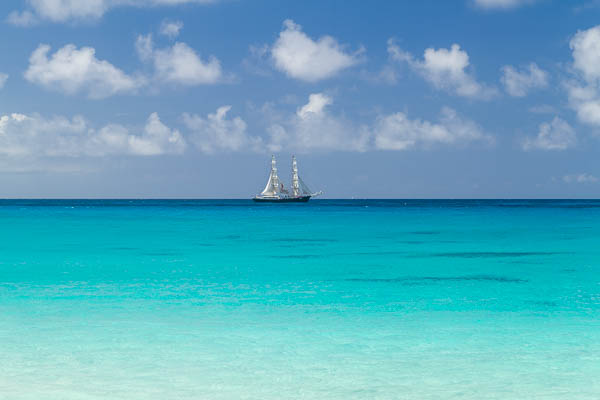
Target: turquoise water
column 330, row 300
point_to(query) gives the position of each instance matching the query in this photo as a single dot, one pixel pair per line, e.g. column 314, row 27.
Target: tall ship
column 275, row 192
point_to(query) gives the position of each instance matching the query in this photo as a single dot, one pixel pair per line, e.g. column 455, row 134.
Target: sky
column 378, row 99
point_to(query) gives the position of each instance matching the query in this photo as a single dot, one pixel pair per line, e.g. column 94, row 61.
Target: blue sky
column 189, row 98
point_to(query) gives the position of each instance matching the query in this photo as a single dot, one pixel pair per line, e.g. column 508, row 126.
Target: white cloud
column 75, row 10
column 303, row 58
column 22, row 135
column 445, row 69
column 398, row 132
column 316, row 105
column 23, row 18
column 586, row 103
column 36, row 136
column 312, row 127
column 555, row 135
column 583, row 89
column 171, row 28
column 57, row 11
column 179, row 64
column 501, row 4
column 144, row 45
column 216, row 132
column 586, row 53
column 518, row 83
column 155, row 139
column 580, row 178
column 3, row 79
column 72, row 70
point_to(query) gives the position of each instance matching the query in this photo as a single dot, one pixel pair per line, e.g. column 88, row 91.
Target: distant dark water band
column 317, row 203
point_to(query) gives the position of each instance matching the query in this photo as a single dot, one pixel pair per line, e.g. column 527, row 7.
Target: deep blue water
column 353, row 299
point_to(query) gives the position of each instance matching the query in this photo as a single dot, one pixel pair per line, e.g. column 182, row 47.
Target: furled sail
column 272, row 187
column 295, row 177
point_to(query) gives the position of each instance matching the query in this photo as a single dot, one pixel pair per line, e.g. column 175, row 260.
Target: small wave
column 307, row 240
column 299, row 256
column 544, row 303
column 495, row 254
column 467, row 278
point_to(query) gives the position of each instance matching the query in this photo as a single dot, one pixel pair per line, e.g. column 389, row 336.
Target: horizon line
column 319, row 199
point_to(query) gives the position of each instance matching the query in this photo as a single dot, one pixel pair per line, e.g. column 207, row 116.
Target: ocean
column 334, row 299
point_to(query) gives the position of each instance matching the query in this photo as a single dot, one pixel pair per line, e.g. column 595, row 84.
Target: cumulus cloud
column 114, row 139
column 217, row 132
column 554, row 135
column 583, row 89
column 3, row 79
column 72, row 70
column 518, row 83
column 179, row 64
column 22, row 19
column 586, row 102
column 144, row 46
column 445, row 69
column 316, row 105
column 398, row 132
column 585, row 46
column 310, row 127
column 313, row 127
column 580, row 178
column 155, row 139
column 22, row 135
column 171, row 28
column 501, row 4
column 38, row 136
column 76, row 10
column 300, row 57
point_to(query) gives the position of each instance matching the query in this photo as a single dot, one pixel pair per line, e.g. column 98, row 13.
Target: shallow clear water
column 334, row 299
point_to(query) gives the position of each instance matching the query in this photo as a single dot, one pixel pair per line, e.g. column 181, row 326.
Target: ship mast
column 295, row 180
column 274, row 177
column 272, row 187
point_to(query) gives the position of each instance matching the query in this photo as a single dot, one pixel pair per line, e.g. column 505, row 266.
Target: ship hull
column 300, row 199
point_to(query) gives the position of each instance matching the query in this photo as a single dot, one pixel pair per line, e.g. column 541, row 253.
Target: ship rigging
column 275, row 192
